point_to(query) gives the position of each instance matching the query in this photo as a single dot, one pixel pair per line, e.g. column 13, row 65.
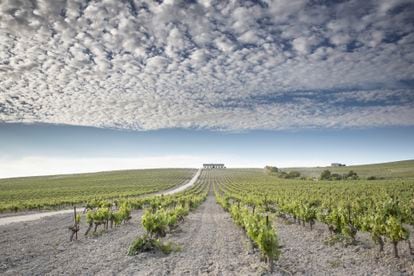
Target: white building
column 214, row 166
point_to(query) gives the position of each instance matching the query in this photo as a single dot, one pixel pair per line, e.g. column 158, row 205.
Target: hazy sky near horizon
column 50, row 149
column 251, row 75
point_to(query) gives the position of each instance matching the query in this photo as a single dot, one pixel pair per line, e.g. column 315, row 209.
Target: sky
column 42, row 149
column 96, row 85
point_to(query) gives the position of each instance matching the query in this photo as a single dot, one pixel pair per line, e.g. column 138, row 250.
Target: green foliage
column 271, row 169
column 267, row 242
column 155, row 223
column 102, row 213
column 141, row 244
column 293, row 174
column 395, row 230
column 165, row 212
column 326, row 175
column 351, row 175
column 257, row 226
column 89, row 216
column 78, row 218
column 145, row 244
column 182, row 211
column 124, row 212
column 374, row 224
column 289, row 175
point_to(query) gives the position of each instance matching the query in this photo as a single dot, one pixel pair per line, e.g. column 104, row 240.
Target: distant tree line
column 327, row 175
column 271, row 169
column 282, row 174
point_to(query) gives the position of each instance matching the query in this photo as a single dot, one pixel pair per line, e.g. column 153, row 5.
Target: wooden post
column 76, row 224
column 75, row 227
column 395, row 245
column 410, row 247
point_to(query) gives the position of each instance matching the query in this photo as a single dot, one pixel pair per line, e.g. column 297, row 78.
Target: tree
column 271, row 169
column 326, row 175
column 283, row 175
column 293, row 174
column 351, row 175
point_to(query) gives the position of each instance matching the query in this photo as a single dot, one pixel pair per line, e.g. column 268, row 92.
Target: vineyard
column 231, row 222
column 384, row 209
column 47, row 192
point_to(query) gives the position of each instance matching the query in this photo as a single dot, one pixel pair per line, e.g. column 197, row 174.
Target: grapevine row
column 255, row 222
column 164, row 213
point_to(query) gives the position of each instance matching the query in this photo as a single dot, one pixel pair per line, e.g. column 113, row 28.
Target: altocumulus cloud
column 207, row 64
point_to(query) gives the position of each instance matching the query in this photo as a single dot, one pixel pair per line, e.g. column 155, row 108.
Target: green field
column 398, row 169
column 60, row 190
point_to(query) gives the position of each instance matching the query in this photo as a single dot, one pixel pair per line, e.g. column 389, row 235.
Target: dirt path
column 35, row 216
column 211, row 244
column 181, row 188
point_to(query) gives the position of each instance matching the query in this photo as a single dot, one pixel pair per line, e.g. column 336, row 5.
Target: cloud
column 207, row 64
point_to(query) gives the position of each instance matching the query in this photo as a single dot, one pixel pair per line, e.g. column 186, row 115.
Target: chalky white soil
column 306, row 252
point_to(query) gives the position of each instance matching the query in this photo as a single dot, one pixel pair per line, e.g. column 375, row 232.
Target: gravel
column 43, row 247
column 306, row 252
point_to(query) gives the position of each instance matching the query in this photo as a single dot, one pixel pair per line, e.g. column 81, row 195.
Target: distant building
column 337, row 165
column 214, row 166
